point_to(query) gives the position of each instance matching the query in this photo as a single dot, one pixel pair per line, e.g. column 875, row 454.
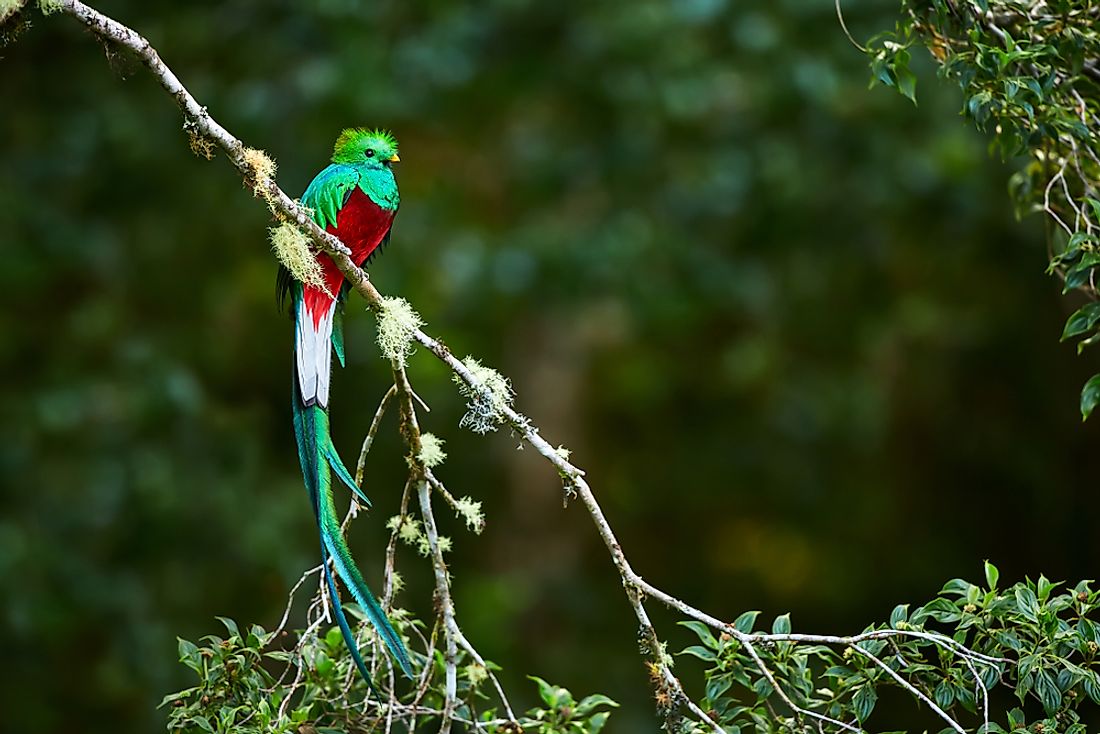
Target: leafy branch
column 1029, row 71
column 1035, row 638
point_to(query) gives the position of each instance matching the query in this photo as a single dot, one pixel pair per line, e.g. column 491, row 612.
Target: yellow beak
column 395, row 158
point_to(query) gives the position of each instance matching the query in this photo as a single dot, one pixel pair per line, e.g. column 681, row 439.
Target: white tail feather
column 313, row 349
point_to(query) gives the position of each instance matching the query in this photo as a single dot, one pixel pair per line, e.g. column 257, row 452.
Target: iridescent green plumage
column 355, row 198
column 354, row 142
column 359, row 158
column 318, row 456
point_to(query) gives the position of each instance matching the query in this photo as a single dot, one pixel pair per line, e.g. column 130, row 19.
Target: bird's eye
column 369, row 154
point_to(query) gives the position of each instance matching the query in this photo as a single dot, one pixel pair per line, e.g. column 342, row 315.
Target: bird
column 354, row 198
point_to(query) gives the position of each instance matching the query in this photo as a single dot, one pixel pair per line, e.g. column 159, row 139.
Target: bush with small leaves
column 1030, row 76
column 248, row 684
column 233, row 690
column 564, row 715
column 1038, row 638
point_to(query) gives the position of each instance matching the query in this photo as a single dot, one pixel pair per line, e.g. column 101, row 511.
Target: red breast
column 360, row 224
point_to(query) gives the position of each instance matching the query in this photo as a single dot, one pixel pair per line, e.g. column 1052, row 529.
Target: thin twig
column 290, row 599
column 844, row 27
column 910, row 687
column 368, row 440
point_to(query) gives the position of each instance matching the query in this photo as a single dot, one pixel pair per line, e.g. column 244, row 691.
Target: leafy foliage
column 1040, row 639
column 1030, row 76
column 564, row 715
column 238, row 691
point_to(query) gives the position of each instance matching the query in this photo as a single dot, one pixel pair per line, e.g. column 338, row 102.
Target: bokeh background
column 789, row 325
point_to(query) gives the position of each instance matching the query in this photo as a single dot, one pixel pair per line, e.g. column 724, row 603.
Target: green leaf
column 588, row 703
column 1049, row 694
column 700, row 652
column 957, row 587
column 189, row 654
column 1027, row 603
column 1090, row 396
column 944, row 695
column 257, row 637
column 763, row 688
column 1045, row 586
column 782, row 624
column 300, row 714
column 941, row 610
column 230, row 625
column 1095, row 207
column 702, row 632
column 717, row 686
column 745, row 622
column 1081, row 320
column 964, row 696
column 864, row 702
column 1008, row 639
column 551, row 695
column 595, row 724
column 1091, row 685
column 177, row 696
column 1086, row 343
column 323, row 664
column 1077, row 240
column 1081, row 272
column 992, row 575
column 1087, row 630
column 907, row 83
column 1016, row 718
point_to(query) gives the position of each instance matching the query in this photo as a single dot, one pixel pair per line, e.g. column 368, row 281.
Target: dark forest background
column 790, row 326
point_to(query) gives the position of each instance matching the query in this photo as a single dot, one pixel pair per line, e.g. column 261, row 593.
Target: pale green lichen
column 48, row 7
column 431, row 450
column 476, row 673
column 470, row 511
column 408, row 529
column 262, row 168
column 397, row 582
column 291, row 246
column 486, row 400
column 563, row 452
column 664, row 658
column 9, row 8
column 397, row 322
column 412, row 534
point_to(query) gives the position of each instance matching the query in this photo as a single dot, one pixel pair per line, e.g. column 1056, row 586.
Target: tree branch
column 199, row 121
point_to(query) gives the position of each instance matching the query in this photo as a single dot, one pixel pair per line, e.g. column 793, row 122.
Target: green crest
column 357, row 145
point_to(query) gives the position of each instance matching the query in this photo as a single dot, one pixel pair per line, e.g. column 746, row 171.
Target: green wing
column 326, row 195
column 329, row 191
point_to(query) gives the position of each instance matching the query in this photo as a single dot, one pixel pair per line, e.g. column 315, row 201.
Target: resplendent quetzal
column 354, row 198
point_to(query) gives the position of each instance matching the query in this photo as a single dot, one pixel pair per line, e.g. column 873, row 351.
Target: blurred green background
column 789, row 326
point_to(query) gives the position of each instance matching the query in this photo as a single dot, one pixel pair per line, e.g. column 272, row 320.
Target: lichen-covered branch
column 737, row 651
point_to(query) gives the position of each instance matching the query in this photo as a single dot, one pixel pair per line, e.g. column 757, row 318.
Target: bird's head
column 359, row 146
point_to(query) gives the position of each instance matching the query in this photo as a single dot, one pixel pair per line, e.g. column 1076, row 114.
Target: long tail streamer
column 319, row 461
